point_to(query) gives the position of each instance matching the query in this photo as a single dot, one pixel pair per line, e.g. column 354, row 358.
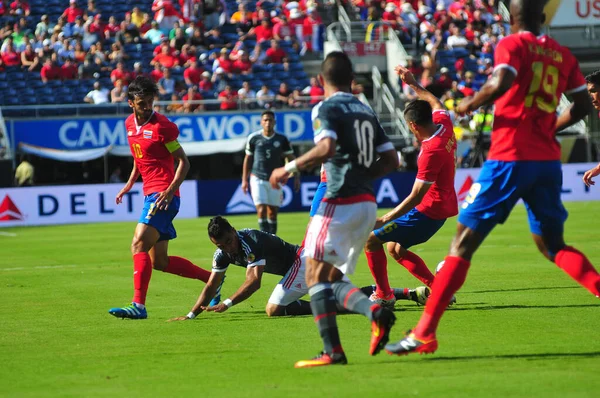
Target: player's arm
column 501, row 81
column 324, row 150
column 133, row 176
column 251, row 284
column 423, row 94
column 288, row 156
column 579, row 109
column 248, row 160
column 183, row 166
column 216, row 277
column 420, row 188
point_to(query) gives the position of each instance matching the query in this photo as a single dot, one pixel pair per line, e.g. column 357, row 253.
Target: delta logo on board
column 9, row 211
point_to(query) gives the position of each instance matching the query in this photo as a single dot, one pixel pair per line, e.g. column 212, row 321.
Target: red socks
column 378, row 265
column 142, row 271
column 578, row 267
column 446, row 283
column 417, row 267
column 182, row 267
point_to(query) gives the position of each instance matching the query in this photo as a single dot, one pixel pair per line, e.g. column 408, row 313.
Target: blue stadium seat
column 461, row 52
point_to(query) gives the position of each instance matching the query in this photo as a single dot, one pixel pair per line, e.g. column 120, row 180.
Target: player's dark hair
column 594, row 78
column 418, row 112
column 218, row 227
column 267, row 113
column 336, row 70
column 142, row 86
column 531, row 13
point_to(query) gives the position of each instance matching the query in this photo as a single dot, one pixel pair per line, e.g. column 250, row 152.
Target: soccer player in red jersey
column 153, row 142
column 593, row 86
column 432, row 199
column 531, row 74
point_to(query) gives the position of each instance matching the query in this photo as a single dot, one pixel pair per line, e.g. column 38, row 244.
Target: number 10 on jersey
column 365, row 133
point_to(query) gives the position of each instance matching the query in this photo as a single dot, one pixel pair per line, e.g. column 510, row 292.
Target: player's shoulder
column 130, row 120
column 281, row 137
column 255, row 135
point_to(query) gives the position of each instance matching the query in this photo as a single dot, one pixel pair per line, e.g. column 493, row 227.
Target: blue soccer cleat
column 217, row 299
column 130, row 311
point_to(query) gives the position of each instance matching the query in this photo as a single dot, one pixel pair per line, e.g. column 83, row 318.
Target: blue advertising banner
column 226, row 196
column 102, row 132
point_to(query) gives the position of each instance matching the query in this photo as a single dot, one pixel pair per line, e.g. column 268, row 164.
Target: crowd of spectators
column 193, row 49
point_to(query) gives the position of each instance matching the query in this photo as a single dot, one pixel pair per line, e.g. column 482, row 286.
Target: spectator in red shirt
column 120, row 74
column 157, row 73
column 10, row 56
column 275, row 54
column 165, row 14
column 69, row 70
column 111, row 28
column 224, row 62
column 50, row 71
column 243, row 65
column 315, row 91
column 163, row 43
column 20, row 8
column 282, row 29
column 72, row 12
column 192, row 95
column 137, row 70
column 193, row 74
column 166, row 59
column 205, row 84
column 228, row 99
column 186, row 56
column 264, row 31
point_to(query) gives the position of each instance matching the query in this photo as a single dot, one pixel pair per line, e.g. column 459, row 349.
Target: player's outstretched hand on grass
column 589, row 175
column 406, row 75
column 163, row 199
column 179, row 318
column 279, row 176
column 216, row 308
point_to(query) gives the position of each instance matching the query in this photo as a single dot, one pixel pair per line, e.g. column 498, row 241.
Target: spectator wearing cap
column 214, row 40
column 192, row 94
column 264, row 31
column 193, row 74
column 78, row 29
column 314, row 91
column 228, row 99
column 247, row 96
column 43, row 27
column 69, row 70
column 99, row 95
column 282, row 29
column 265, row 97
column 20, row 8
column 205, row 85
column 465, row 86
column 275, row 54
column 223, row 62
column 445, row 80
column 91, row 9
column 119, row 92
column 72, row 12
column 166, row 85
column 219, row 80
column 157, row 73
column 165, row 14
column 296, row 19
column 243, row 65
column 166, row 59
column 137, row 70
column 154, row 35
column 120, row 73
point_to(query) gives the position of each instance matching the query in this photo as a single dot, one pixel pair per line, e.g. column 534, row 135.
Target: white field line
column 9, row 234
column 39, row 267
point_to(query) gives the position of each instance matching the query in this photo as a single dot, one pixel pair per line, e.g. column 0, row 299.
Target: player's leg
column 259, row 197
column 489, row 202
column 412, row 262
column 418, row 295
column 377, row 262
column 175, row 265
column 285, row 299
column 272, row 218
column 261, row 212
column 546, row 220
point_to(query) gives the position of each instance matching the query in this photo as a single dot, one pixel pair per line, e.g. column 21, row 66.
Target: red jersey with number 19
column 152, row 145
column 437, row 166
column 525, row 116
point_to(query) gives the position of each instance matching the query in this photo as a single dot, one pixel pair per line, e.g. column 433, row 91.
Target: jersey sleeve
column 220, row 262
column 576, row 82
column 253, row 248
column 428, row 167
column 250, row 145
column 508, row 55
column 382, row 142
column 441, row 116
column 170, row 132
column 286, row 147
column 323, row 123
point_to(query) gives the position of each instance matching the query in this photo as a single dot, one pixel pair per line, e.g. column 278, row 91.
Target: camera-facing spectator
column 99, row 95
column 154, row 34
column 314, row 90
column 166, row 85
column 265, row 97
column 228, row 99
column 275, row 54
column 205, row 85
column 165, row 58
column 72, row 12
column 264, row 31
column 119, row 92
column 50, row 71
column 247, row 96
column 69, row 70
column 243, row 65
column 282, row 98
column 193, row 74
column 120, row 73
column 157, row 73
column 192, row 95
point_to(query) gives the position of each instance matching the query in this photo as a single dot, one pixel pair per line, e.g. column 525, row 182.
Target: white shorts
column 338, row 233
column 263, row 194
column 293, row 285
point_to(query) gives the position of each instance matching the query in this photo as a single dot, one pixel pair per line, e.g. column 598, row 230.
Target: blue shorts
column 500, row 186
column 411, row 229
column 162, row 220
column 318, row 198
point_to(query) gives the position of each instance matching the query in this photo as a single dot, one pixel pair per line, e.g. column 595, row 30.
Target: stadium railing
column 390, row 115
column 5, row 152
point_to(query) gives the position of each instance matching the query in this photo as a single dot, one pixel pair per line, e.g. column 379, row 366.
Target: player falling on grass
column 531, row 74
column 153, row 143
column 260, row 252
column 431, row 201
column 265, row 151
column 355, row 150
column 593, row 86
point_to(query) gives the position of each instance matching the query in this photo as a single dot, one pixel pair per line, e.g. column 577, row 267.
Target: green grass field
column 521, row 327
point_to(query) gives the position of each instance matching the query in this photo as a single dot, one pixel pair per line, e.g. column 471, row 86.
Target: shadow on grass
column 546, row 355
column 523, row 289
